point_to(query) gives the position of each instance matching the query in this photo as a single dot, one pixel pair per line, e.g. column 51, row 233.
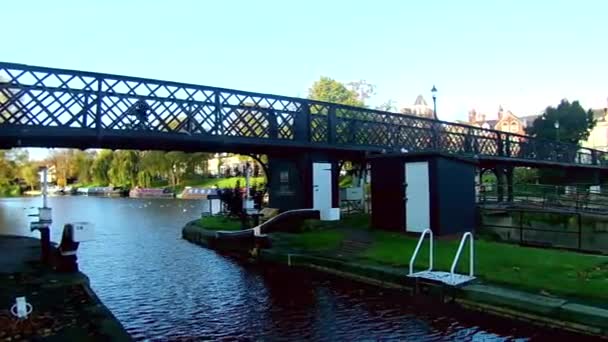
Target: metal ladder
column 413, row 258
column 461, row 278
column 450, row 278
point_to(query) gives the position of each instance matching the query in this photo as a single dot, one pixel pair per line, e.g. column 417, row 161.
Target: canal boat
column 54, row 190
column 102, row 191
column 197, row 193
column 138, row 192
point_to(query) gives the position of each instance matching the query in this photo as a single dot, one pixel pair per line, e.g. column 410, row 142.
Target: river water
column 163, row 288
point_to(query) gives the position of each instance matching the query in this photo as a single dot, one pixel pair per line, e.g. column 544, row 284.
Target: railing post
column 499, row 146
column 436, row 138
column 99, row 102
column 467, row 141
column 508, row 146
column 580, row 231
column 85, row 111
column 521, row 227
column 302, row 123
column 331, row 124
column 273, row 129
column 593, row 157
column 219, row 127
column 189, row 118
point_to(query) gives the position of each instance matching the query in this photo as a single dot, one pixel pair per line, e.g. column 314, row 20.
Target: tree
column 574, row 126
column 154, row 163
column 29, row 174
column 363, row 89
column 123, row 169
column 101, row 167
column 177, row 162
column 388, row 106
column 329, row 90
column 574, row 123
column 63, row 160
column 7, row 169
column 83, row 162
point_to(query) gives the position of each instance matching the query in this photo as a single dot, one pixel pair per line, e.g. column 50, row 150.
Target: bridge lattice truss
column 46, row 97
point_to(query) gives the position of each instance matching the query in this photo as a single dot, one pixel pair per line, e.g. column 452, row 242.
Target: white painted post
column 44, row 187
column 247, row 181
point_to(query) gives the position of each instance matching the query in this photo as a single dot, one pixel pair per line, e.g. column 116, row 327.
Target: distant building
column 231, row 165
column 506, row 122
column 419, row 108
column 598, row 137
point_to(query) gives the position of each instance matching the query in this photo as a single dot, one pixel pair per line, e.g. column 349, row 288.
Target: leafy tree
column 575, row 123
column 101, row 167
column 363, row 89
column 65, row 169
column 329, row 90
column 388, row 106
column 7, row 169
column 177, row 162
column 123, row 169
column 29, row 174
column 83, row 162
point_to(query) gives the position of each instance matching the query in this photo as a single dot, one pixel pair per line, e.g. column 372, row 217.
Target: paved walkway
column 355, row 242
column 64, row 306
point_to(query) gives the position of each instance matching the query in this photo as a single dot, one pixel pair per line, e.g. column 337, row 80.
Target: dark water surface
column 164, row 288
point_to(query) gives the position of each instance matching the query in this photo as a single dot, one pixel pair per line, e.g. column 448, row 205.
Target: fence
column 549, row 197
column 542, row 228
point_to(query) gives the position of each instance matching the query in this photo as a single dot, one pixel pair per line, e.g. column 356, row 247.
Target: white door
column 321, row 186
column 417, row 203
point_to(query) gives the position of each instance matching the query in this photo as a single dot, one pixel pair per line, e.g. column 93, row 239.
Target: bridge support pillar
column 509, row 179
column 292, row 184
column 500, row 190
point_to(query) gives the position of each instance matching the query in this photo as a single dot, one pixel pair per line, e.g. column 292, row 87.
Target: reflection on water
column 160, row 286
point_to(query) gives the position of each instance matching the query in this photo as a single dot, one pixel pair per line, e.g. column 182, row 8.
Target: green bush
column 10, row 191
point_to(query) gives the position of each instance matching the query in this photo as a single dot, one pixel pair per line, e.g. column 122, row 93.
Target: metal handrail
column 420, row 240
column 101, row 100
column 471, row 254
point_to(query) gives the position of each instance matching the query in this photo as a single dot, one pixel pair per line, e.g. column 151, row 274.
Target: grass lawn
column 219, row 223
column 317, row 240
column 533, row 269
column 536, row 269
column 357, row 221
column 221, row 183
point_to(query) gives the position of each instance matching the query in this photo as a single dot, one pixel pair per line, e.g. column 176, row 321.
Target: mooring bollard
column 21, row 309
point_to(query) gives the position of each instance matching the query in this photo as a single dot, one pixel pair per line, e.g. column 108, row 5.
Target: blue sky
column 523, row 55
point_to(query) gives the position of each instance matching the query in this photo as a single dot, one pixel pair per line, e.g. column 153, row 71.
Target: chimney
column 500, row 112
column 483, row 118
column 472, row 116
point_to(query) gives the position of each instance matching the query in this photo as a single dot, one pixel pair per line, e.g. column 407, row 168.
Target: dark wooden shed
column 415, row 191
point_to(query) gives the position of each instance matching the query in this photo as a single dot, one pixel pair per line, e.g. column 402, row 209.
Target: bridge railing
column 105, row 104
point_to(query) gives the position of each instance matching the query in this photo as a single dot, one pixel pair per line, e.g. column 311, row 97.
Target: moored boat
column 102, row 191
column 197, row 193
column 69, row 190
column 138, row 192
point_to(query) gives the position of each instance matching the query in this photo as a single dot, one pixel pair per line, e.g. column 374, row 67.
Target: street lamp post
column 434, row 92
column 556, row 125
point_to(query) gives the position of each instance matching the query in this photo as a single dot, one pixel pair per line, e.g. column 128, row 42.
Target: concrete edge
column 108, row 324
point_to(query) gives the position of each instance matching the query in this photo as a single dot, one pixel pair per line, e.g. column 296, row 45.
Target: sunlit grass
column 219, row 223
